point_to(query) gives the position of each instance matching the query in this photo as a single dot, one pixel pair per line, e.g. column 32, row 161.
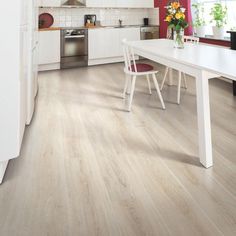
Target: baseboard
column 109, row 60
column 3, row 167
column 102, row 61
column 47, row 67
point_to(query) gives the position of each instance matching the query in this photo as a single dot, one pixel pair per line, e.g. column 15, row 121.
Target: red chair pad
column 142, row 67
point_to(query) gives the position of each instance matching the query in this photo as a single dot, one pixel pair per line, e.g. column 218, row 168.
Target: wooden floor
column 89, row 168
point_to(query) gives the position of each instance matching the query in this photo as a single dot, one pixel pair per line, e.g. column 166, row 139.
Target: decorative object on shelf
column 199, row 22
column 219, row 15
column 90, row 20
column 175, row 18
column 46, row 20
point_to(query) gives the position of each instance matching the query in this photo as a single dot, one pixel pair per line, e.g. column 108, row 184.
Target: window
column 231, row 13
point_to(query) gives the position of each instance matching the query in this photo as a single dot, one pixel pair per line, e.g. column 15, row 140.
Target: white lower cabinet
column 49, row 50
column 130, row 34
column 105, row 44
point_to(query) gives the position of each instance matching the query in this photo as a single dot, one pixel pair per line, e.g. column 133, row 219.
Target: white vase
column 218, row 32
column 201, row 31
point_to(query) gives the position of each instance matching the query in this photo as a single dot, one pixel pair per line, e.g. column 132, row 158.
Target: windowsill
column 225, row 39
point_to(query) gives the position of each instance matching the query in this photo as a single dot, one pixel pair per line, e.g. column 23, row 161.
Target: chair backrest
column 129, row 57
column 191, row 39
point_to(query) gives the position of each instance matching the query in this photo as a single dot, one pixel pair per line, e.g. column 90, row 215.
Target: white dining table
column 201, row 61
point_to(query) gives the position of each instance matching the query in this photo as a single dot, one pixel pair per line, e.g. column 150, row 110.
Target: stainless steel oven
column 149, row 32
column 74, row 48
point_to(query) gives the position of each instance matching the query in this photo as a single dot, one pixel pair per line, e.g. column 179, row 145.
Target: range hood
column 74, row 3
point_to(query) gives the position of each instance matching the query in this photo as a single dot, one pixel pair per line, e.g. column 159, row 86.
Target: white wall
column 75, row 17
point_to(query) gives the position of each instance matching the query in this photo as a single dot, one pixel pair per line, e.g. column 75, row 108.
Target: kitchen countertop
column 50, row 29
column 96, row 27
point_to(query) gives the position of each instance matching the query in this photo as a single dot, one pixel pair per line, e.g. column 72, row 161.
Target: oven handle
column 74, row 37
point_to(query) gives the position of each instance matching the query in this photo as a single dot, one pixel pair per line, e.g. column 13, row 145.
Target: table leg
column 204, row 121
column 170, row 82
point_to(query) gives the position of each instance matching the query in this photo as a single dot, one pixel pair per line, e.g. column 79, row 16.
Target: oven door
column 74, row 46
column 74, row 52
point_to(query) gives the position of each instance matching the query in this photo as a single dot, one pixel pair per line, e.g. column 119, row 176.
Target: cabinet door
column 50, row 3
column 136, row 3
column 94, row 3
column 124, row 3
column 49, row 47
column 148, row 3
column 130, row 34
column 96, row 44
column 101, row 3
column 103, row 43
column 111, row 42
column 110, row 3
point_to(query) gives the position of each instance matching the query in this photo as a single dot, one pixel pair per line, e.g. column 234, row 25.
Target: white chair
column 134, row 70
column 187, row 39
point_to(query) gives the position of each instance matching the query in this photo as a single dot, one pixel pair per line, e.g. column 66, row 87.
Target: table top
column 211, row 58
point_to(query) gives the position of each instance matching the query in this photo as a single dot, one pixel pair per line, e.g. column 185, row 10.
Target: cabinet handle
column 74, row 37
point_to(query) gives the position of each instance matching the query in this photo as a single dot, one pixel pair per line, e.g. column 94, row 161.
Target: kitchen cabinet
column 49, row 50
column 101, row 3
column 49, row 3
column 105, row 44
column 130, row 34
column 121, row 3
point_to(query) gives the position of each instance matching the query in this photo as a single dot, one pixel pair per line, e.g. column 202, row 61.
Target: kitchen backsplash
column 73, row 17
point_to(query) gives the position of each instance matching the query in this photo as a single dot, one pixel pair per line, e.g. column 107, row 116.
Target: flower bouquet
column 175, row 18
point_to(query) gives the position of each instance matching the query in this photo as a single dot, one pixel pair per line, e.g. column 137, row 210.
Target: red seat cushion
column 142, row 67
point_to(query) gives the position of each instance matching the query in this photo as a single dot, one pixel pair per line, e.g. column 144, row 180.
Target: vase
column 201, row 31
column 179, row 38
column 218, row 32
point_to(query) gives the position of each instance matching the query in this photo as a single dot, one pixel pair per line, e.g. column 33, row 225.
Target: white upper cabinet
column 121, row 3
column 103, row 3
column 49, row 3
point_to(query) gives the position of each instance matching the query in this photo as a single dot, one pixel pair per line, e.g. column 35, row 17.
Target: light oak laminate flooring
column 88, row 167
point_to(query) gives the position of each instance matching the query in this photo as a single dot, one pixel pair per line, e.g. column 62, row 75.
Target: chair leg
column 179, row 87
column 132, row 92
column 165, row 76
column 126, row 86
column 158, row 91
column 185, row 81
column 149, row 84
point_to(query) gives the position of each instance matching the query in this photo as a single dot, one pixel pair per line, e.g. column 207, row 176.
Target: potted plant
column 219, row 15
column 199, row 22
column 175, row 18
